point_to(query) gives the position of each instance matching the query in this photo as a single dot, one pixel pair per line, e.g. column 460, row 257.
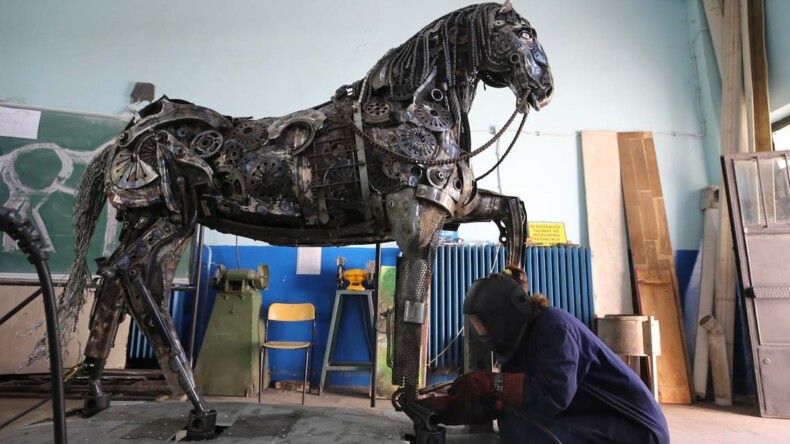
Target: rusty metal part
column 416, row 142
column 207, row 144
column 433, row 116
column 251, row 133
column 312, row 117
column 134, row 168
column 376, row 111
column 164, row 112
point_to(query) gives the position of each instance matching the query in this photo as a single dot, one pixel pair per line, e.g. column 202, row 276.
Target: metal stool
column 329, row 363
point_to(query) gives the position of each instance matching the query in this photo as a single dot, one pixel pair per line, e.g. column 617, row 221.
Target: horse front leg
column 508, row 213
column 415, row 225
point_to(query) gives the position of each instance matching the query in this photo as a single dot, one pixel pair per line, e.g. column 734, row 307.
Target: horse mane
column 412, row 62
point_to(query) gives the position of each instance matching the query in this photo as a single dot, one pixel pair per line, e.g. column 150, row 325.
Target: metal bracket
column 414, row 312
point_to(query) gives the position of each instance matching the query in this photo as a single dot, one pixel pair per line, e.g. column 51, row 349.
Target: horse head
column 488, row 42
column 514, row 58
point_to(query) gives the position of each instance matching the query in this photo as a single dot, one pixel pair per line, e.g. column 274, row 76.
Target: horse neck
column 465, row 88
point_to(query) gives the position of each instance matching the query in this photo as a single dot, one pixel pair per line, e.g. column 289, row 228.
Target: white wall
column 618, row 65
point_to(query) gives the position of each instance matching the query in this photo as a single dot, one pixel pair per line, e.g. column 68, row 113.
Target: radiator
column 138, row 346
column 562, row 274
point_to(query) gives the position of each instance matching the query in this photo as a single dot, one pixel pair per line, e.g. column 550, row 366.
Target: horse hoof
column 94, row 404
column 201, row 425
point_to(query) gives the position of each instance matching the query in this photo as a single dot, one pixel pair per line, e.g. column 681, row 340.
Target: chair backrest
column 291, row 312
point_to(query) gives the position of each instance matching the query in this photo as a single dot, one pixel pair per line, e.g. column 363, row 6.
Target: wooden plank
column 714, row 13
column 761, row 108
column 654, row 287
column 654, row 266
column 734, row 139
column 606, row 223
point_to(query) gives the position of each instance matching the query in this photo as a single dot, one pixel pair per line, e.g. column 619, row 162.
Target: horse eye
column 526, row 35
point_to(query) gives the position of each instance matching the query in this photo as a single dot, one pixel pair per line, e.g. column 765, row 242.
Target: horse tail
column 89, row 201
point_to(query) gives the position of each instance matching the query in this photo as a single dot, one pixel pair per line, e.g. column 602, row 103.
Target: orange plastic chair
column 288, row 313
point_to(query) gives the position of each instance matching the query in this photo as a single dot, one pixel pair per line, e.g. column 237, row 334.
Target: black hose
column 23, row 232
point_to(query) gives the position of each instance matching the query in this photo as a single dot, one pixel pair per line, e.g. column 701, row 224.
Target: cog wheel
column 433, row 116
column 376, row 111
column 380, row 173
column 207, row 144
column 232, row 154
column 136, row 167
column 251, row 133
column 185, row 133
column 391, row 168
column 416, row 141
column 231, row 182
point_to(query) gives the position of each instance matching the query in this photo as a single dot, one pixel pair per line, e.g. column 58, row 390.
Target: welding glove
column 453, row 411
column 503, row 388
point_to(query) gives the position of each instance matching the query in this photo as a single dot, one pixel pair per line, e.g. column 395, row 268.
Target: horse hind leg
column 145, row 271
column 105, row 317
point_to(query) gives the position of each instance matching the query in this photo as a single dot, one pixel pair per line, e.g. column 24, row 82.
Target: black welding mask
column 503, row 308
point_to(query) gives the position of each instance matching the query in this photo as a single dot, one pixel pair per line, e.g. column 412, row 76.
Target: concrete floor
column 699, row 423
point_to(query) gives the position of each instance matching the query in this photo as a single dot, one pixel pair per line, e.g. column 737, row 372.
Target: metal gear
column 381, row 173
column 185, row 132
column 231, row 182
column 416, row 141
column 376, row 111
column 207, row 144
column 232, row 154
column 251, row 133
column 433, row 116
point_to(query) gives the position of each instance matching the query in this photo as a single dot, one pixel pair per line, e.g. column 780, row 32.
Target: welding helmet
column 503, row 308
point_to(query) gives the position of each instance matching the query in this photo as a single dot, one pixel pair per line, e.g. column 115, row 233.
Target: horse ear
column 506, row 7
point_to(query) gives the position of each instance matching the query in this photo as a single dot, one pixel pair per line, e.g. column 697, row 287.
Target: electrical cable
column 23, row 232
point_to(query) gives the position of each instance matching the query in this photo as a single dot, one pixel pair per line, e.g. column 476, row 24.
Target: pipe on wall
column 722, row 387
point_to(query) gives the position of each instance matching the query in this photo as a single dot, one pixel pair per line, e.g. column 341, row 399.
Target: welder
column 558, row 382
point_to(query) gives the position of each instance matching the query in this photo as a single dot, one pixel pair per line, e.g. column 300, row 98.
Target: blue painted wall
column 286, row 286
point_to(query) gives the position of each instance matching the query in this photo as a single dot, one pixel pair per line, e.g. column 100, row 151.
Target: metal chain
column 390, row 152
column 507, row 151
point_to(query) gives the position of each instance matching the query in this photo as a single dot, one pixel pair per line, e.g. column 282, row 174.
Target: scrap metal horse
column 387, row 158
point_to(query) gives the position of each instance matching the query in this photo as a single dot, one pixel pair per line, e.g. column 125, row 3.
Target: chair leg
column 306, row 361
column 261, row 369
column 310, row 373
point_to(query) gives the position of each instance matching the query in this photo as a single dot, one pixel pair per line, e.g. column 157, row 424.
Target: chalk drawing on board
column 28, row 200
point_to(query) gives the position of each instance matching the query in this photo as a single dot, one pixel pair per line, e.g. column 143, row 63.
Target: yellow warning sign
column 547, row 233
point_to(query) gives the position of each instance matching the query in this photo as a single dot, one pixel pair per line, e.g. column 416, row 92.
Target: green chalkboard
column 39, row 177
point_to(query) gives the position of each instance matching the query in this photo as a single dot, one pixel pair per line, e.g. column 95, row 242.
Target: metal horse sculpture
column 386, row 158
